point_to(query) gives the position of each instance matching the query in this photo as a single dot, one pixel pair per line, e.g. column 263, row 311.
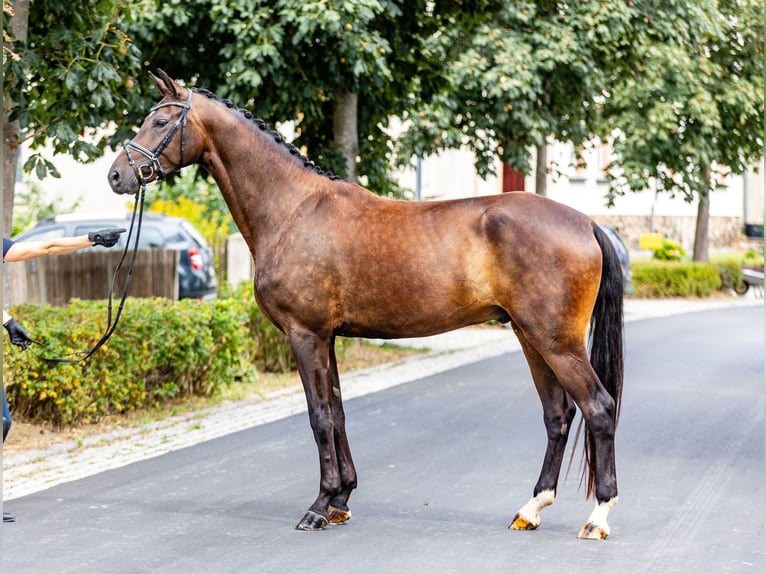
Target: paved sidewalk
column 33, row 471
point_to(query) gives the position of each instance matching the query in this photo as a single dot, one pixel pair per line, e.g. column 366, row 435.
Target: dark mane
column 271, row 132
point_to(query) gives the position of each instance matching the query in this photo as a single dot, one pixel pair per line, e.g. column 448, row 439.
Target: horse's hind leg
column 558, row 412
column 598, row 411
column 338, row 509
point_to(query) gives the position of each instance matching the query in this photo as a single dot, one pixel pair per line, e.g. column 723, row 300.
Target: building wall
column 452, row 175
column 84, row 184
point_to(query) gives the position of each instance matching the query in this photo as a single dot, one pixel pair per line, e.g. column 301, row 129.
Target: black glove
column 106, row 237
column 17, row 333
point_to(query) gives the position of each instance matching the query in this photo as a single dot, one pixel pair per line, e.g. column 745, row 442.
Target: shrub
column 731, row 275
column 670, row 251
column 752, row 257
column 675, row 279
column 159, row 350
column 268, row 346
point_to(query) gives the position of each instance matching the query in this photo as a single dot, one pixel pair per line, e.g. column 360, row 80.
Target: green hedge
column 652, row 279
column 158, row 351
column 731, row 275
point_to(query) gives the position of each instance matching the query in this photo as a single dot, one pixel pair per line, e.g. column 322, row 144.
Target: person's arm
column 23, row 250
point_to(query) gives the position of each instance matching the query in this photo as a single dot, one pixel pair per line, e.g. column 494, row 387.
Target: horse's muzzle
column 122, row 181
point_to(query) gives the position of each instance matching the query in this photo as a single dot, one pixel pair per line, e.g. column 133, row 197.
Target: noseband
column 147, row 171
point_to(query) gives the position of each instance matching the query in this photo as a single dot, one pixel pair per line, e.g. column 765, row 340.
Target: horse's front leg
column 312, row 355
column 338, row 509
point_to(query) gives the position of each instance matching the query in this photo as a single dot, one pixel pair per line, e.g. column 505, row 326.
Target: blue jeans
column 6, row 415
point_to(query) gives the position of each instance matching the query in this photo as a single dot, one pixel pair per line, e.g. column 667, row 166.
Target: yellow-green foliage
column 675, row 279
column 730, row 272
column 213, row 225
column 159, row 350
column 670, row 251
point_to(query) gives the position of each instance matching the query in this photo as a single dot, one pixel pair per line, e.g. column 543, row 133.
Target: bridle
column 147, row 172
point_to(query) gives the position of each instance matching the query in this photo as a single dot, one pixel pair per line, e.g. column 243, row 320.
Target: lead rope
column 143, row 174
column 138, row 207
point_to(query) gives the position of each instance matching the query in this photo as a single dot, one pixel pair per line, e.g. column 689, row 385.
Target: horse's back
column 418, row 268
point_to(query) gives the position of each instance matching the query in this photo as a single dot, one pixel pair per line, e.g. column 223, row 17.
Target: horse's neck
column 261, row 185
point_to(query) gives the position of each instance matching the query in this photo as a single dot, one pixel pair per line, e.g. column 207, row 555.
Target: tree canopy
column 65, row 74
column 517, row 74
column 297, row 60
column 678, row 85
column 692, row 101
column 69, row 76
column 692, row 98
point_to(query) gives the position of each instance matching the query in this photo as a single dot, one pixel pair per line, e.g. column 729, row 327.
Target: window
column 46, row 234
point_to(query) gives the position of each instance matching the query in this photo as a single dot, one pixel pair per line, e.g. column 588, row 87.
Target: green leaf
column 41, row 169
column 71, row 81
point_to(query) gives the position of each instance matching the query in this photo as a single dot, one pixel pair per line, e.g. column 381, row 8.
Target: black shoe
column 8, row 517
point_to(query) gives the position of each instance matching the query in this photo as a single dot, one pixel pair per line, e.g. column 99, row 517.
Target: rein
column 138, row 207
column 145, row 173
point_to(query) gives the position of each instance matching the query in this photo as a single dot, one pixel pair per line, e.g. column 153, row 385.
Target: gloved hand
column 106, row 237
column 17, row 333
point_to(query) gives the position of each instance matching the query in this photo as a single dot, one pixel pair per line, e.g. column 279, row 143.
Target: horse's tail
column 606, row 340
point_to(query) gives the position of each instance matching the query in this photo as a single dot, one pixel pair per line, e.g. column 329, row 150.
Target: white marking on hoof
column 528, row 516
column 596, row 528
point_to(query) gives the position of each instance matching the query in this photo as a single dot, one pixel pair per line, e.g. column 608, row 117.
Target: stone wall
column 724, row 232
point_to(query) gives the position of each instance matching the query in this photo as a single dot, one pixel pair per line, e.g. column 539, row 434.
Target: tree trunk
column 346, row 132
column 703, row 219
column 541, row 169
column 10, row 162
column 19, row 24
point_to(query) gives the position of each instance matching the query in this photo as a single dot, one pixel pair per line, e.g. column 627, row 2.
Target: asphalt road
column 444, row 463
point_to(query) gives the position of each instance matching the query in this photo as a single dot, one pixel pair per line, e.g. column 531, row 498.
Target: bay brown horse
column 333, row 259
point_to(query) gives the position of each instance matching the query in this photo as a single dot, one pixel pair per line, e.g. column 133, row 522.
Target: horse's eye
column 160, row 123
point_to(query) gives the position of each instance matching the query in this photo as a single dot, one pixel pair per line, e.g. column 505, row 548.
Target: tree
column 516, row 73
column 324, row 66
column 338, row 70
column 65, row 74
column 691, row 104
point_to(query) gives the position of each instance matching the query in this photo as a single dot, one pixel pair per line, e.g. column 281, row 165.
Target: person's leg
column 6, row 415
column 7, row 516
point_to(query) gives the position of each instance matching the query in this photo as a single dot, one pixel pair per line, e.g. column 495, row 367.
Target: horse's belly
column 416, row 317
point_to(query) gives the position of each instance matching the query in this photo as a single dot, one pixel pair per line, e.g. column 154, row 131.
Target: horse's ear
column 165, row 83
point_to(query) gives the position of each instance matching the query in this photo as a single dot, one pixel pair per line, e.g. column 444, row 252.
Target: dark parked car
column 622, row 253
column 196, row 272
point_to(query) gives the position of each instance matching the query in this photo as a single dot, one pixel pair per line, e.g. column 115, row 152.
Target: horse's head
column 162, row 145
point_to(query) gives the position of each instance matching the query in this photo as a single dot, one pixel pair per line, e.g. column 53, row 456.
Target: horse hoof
column 528, row 516
column 596, row 528
column 593, row 532
column 338, row 515
column 312, row 521
column 521, row 523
